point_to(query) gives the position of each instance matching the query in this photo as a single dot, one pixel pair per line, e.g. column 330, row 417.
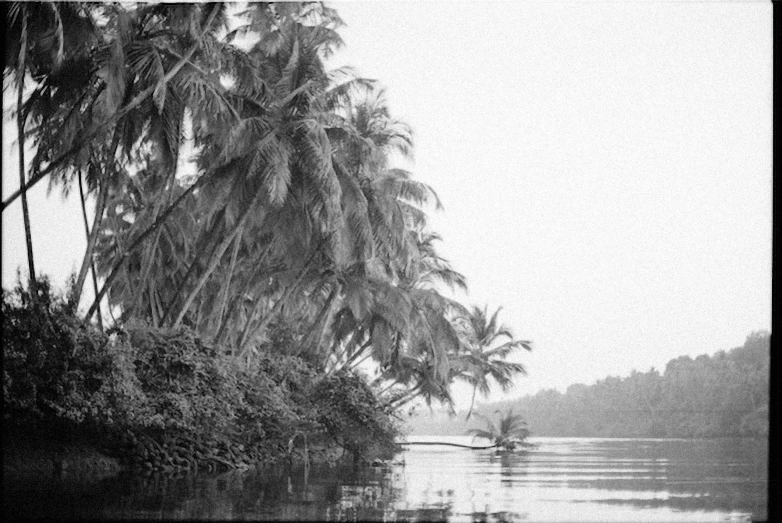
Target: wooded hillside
column 722, row 395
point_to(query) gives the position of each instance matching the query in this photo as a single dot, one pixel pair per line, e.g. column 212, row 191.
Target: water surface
column 563, row 479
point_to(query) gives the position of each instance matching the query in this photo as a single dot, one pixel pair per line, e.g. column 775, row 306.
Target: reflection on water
column 564, row 479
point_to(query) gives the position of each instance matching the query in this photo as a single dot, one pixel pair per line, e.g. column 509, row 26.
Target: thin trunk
column 153, row 309
column 209, row 245
column 358, row 353
column 148, row 257
column 229, row 277
column 143, row 236
column 100, row 206
column 215, row 261
column 212, row 262
column 207, row 241
column 249, row 334
column 20, row 118
column 389, row 387
column 365, row 358
column 87, row 232
column 472, row 402
column 406, row 398
column 319, row 324
column 352, row 342
column 135, row 102
column 248, row 328
column 218, row 338
column 225, row 320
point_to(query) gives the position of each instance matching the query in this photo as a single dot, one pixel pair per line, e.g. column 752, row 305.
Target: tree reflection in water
column 582, row 480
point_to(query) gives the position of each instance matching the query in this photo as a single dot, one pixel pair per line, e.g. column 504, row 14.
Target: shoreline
column 38, row 454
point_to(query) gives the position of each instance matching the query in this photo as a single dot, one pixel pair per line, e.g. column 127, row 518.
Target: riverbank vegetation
column 722, row 395
column 260, row 258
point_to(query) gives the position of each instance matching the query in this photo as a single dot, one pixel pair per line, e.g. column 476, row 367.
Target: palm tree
column 40, row 37
column 417, row 360
column 488, row 344
column 509, row 431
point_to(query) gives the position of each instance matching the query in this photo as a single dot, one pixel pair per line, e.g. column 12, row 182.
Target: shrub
column 351, row 413
column 60, row 368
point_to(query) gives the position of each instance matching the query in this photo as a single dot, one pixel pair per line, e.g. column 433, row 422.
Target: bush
column 349, row 410
column 53, row 364
column 60, row 368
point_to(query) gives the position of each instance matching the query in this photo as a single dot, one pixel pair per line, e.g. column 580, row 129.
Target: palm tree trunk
column 319, row 325
column 352, row 342
column 148, row 257
column 87, row 233
column 229, row 277
column 358, row 353
column 359, row 362
column 215, row 258
column 207, row 243
column 20, row 118
column 143, row 236
column 406, row 398
column 214, row 261
column 224, row 321
column 135, row 102
column 387, row 388
column 100, row 206
column 248, row 334
column 472, row 402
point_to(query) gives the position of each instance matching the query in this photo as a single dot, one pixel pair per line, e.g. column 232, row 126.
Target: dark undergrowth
column 166, row 400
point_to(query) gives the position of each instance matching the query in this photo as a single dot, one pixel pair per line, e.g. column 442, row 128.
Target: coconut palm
column 417, row 360
column 40, row 38
column 509, row 430
column 484, row 357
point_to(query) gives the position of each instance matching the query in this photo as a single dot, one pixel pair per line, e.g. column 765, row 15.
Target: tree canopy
column 295, row 230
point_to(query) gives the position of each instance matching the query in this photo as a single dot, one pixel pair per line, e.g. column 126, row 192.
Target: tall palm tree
column 36, row 45
column 488, row 344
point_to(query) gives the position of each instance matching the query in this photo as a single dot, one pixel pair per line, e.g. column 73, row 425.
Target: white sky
column 605, row 169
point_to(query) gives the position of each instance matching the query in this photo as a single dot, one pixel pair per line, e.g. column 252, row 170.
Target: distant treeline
column 723, row 395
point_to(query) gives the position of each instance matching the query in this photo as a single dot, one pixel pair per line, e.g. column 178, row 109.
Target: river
column 562, row 479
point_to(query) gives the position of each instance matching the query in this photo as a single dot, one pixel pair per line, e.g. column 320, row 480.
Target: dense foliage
column 726, row 394
column 723, row 395
column 164, row 383
column 243, row 190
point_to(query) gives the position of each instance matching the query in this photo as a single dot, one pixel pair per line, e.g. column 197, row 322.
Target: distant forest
column 723, row 395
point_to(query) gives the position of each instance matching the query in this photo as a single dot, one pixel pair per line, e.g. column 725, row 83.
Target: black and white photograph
column 386, row 260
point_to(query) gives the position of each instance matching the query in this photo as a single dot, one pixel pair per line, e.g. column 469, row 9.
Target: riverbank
column 39, row 455
column 164, row 400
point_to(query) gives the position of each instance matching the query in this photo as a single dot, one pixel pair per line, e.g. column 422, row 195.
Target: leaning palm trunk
column 318, row 328
column 100, row 206
column 229, row 276
column 225, row 319
column 210, row 245
column 87, row 233
column 405, row 399
column 352, row 358
column 141, row 237
column 28, row 237
column 250, row 333
column 148, row 256
column 333, row 363
column 87, row 261
column 215, row 261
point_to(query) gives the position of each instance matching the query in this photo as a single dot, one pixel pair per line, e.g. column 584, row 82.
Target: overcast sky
column 605, row 169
